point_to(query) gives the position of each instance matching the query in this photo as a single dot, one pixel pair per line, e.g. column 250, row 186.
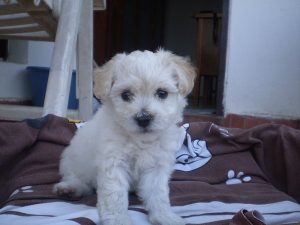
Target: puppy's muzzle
column 143, row 118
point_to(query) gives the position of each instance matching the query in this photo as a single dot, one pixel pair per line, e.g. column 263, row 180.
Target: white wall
column 263, row 58
column 40, row 53
column 14, row 82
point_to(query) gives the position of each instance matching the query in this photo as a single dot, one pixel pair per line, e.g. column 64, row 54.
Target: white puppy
column 130, row 143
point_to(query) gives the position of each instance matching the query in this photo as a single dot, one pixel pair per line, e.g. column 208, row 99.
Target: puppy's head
column 145, row 90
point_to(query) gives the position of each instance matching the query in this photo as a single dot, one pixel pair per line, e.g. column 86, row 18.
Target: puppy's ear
column 185, row 72
column 104, row 77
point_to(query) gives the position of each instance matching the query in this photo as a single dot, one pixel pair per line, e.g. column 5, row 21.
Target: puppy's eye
column 161, row 93
column 127, row 95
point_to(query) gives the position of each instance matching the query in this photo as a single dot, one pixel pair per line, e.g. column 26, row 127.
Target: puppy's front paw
column 166, row 219
column 120, row 220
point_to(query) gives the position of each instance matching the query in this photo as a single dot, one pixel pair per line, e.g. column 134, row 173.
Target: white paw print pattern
column 236, row 179
column 25, row 189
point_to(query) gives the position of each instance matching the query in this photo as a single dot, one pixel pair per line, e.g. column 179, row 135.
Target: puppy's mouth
column 145, row 130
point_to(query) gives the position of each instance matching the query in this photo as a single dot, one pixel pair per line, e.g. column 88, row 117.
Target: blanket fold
column 274, row 148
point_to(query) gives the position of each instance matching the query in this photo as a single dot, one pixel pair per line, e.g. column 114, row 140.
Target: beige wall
column 263, row 58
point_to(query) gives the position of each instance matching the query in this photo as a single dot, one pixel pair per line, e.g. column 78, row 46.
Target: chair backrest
column 23, row 19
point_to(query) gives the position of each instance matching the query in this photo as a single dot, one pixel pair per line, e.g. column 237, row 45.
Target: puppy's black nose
column 143, row 118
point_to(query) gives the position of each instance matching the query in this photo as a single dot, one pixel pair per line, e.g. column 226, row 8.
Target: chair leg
column 58, row 87
column 85, row 62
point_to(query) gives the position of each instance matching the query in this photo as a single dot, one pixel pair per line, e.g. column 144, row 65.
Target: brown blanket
column 254, row 167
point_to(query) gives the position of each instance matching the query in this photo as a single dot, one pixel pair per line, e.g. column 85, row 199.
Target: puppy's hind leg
column 72, row 187
column 75, row 175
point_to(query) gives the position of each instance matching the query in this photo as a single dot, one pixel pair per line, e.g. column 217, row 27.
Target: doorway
column 193, row 28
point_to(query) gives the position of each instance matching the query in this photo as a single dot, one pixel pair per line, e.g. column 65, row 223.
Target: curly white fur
column 113, row 153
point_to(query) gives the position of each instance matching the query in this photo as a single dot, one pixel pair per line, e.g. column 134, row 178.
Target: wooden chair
column 69, row 23
column 207, row 59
